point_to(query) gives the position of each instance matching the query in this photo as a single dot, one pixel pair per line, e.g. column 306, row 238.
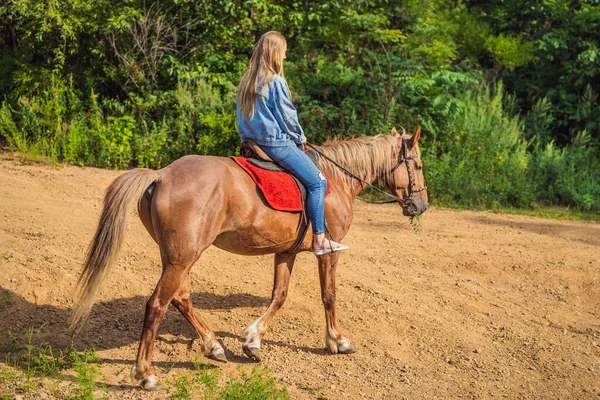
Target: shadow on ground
column 112, row 324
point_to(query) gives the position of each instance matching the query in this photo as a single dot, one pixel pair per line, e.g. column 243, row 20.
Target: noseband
column 404, row 158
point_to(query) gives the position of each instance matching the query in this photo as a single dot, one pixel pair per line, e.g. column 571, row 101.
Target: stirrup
column 330, row 249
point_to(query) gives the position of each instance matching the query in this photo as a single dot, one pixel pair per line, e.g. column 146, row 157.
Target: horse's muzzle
column 413, row 208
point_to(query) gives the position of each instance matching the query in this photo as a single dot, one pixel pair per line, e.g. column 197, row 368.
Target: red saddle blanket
column 278, row 188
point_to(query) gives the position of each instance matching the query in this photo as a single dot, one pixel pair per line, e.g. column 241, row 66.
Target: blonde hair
column 267, row 60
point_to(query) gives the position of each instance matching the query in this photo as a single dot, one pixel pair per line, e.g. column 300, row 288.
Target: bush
column 122, row 84
column 568, row 176
column 481, row 160
column 148, row 131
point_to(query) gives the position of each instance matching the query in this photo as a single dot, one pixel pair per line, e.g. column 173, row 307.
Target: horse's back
column 218, row 201
column 193, row 170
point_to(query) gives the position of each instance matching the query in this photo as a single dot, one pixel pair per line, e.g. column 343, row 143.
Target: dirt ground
column 476, row 305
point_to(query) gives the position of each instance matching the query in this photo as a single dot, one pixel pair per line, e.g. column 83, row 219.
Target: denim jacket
column 275, row 121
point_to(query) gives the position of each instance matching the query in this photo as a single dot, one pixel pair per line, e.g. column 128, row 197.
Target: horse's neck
column 365, row 172
column 358, row 187
column 351, row 187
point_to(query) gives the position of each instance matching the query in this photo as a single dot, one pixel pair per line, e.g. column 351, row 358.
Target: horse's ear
column 394, row 132
column 414, row 138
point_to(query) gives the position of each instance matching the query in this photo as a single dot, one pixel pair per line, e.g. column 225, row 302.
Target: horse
column 199, row 201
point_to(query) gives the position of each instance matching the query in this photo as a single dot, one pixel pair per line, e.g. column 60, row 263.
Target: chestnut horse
column 199, row 201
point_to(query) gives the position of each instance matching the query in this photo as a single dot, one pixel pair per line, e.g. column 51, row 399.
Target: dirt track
column 477, row 305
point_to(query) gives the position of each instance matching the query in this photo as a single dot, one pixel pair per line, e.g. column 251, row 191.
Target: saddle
column 259, row 159
column 254, row 153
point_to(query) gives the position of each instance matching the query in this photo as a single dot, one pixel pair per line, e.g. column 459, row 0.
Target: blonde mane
column 369, row 157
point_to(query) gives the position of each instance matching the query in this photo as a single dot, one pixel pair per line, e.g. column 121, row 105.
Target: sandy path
column 477, row 305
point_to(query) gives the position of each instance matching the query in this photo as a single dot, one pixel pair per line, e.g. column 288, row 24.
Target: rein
column 407, row 201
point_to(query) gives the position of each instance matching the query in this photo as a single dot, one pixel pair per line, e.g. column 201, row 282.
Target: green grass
column 558, row 213
column 206, row 382
column 183, row 388
column 83, row 365
column 256, row 385
column 6, row 256
column 29, row 365
column 553, row 213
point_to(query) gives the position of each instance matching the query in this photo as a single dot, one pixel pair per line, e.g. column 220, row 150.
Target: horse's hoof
column 218, row 354
column 252, row 352
column 150, row 383
column 346, row 347
column 343, row 346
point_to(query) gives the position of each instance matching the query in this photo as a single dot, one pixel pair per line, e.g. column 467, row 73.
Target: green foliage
column 570, row 175
column 485, row 162
column 146, row 131
column 123, row 83
column 549, row 212
column 493, row 159
column 556, row 44
column 87, row 373
column 255, row 385
column 509, row 52
column 40, row 360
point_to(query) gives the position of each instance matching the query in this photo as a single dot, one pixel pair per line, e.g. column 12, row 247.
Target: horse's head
column 406, row 178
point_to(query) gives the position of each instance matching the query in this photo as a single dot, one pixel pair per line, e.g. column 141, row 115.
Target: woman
column 266, row 116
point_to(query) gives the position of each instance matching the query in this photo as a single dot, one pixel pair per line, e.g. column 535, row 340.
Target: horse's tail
column 105, row 245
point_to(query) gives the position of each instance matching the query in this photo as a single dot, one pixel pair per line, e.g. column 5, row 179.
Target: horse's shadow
column 113, row 324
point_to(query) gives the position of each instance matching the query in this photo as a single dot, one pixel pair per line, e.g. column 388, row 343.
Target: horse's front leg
column 336, row 343
column 284, row 263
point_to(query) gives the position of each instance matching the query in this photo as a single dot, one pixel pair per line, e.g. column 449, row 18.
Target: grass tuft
column 5, row 301
column 256, row 385
column 207, row 384
column 28, row 365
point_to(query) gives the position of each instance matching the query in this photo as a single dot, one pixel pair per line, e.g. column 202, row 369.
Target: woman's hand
column 302, row 145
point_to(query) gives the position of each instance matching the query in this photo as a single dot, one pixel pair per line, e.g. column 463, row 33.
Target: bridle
column 403, row 158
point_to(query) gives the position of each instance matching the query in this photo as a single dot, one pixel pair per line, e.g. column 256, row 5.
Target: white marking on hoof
column 217, row 353
column 133, row 374
column 252, row 334
column 345, row 346
column 331, row 345
column 252, row 351
column 252, row 345
column 150, row 383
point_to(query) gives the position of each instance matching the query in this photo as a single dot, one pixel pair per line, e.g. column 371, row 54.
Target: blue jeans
column 298, row 164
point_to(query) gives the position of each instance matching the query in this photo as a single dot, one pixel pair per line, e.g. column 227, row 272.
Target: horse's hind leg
column 336, row 343
column 283, row 270
column 210, row 347
column 173, row 277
